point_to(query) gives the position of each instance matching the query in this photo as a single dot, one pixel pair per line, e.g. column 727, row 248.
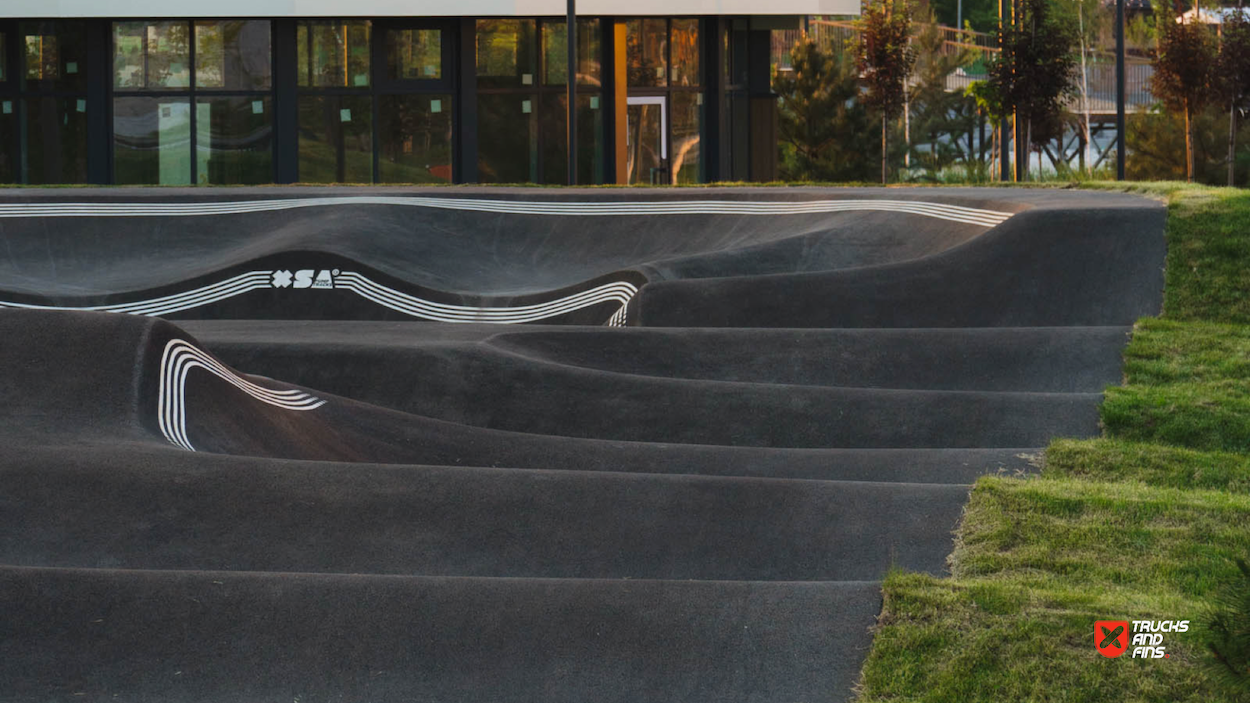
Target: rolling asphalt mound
column 299, row 493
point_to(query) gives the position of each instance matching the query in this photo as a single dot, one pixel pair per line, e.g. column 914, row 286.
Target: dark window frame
column 192, row 91
column 543, row 91
column 667, row 90
column 380, row 83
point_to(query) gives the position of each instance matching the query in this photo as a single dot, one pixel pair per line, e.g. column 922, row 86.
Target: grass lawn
column 1140, row 524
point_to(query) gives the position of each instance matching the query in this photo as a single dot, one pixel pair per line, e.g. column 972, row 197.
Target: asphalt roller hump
column 511, row 445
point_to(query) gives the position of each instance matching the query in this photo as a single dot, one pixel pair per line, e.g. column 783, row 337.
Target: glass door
column 646, row 139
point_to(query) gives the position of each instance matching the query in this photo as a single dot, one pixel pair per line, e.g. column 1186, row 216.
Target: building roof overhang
column 418, row 8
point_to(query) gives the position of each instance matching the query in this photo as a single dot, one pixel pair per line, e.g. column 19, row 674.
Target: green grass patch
column 1143, row 523
column 1151, row 464
column 1037, row 561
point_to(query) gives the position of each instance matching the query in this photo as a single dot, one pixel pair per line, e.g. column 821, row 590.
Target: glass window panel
column 335, row 139
column 233, row 54
column 646, row 53
column 234, row 140
column 556, row 58
column 644, row 140
column 414, row 54
column 152, row 141
column 683, row 152
column 54, row 56
column 685, row 40
column 56, row 140
column 151, row 55
column 589, row 139
column 507, row 136
column 9, row 158
column 506, row 55
column 415, row 138
column 4, row 57
column 333, row 54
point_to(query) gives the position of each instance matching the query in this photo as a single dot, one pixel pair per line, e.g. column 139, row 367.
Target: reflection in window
column 233, row 138
column 646, row 53
column 684, row 148
column 556, row 57
column 415, row 136
column 42, row 58
column 506, row 55
column 233, row 54
column 335, row 139
column 56, row 140
column 333, row 54
column 152, row 140
column 685, row 52
column 151, row 55
column 53, row 54
column 9, row 159
column 414, row 54
column 554, row 126
column 507, row 138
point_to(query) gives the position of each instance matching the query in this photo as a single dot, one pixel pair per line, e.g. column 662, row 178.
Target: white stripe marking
column 618, row 291
column 955, row 213
column 177, row 361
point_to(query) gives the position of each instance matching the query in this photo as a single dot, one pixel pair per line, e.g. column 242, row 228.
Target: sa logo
column 1111, row 637
column 304, row 278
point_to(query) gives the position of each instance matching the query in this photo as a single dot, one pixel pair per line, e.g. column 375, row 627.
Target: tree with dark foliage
column 822, row 122
column 1184, row 77
column 885, row 61
column 1034, row 71
column 1233, row 78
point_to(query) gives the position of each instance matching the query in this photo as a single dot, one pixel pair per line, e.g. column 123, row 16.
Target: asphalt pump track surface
column 291, row 444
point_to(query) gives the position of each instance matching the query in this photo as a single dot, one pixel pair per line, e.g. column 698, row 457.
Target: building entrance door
column 646, row 139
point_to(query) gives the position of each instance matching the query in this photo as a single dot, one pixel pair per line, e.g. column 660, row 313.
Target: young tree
column 885, row 61
column 1233, row 72
column 1184, row 63
column 943, row 119
column 822, row 124
column 1033, row 72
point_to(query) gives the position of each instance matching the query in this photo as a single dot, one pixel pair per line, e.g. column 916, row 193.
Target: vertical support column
column 714, row 114
column 1120, row 153
column 570, row 36
column 99, row 107
column 607, row 96
column 1004, row 161
column 620, row 105
column 763, row 114
column 285, row 102
column 466, row 134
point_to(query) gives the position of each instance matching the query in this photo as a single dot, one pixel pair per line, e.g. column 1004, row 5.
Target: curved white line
column 177, row 360
column 620, row 291
column 956, row 213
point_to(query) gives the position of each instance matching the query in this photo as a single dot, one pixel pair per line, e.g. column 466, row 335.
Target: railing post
column 1120, row 154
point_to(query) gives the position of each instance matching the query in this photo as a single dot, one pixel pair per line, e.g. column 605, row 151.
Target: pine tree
column 821, row 120
column 1228, row 634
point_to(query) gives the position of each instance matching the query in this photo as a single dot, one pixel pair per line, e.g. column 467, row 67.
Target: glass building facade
column 375, row 100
